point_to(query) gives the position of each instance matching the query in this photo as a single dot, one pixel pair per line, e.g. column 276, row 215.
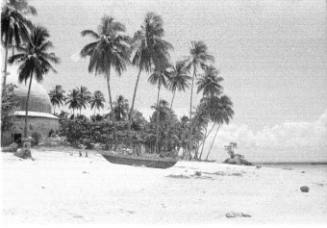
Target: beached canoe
column 161, row 163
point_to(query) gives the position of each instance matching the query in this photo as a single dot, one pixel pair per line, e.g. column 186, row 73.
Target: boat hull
column 161, row 163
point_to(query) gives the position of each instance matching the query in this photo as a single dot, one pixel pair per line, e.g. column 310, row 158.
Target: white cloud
column 289, row 139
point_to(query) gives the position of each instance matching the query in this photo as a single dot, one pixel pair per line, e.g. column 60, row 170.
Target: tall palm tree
column 149, row 48
column 209, row 83
column 110, row 49
column 35, row 61
column 57, row 97
column 221, row 112
column 97, row 100
column 85, row 96
column 14, row 31
column 178, row 79
column 159, row 78
column 74, row 100
column 199, row 58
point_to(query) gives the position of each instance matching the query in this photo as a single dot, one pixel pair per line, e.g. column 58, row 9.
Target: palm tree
column 159, row 77
column 85, row 96
column 221, row 111
column 74, row 100
column 210, row 86
column 110, row 49
column 198, row 58
column 97, row 100
column 57, row 97
column 209, row 83
column 178, row 79
column 121, row 108
column 14, row 31
column 150, row 49
column 35, row 61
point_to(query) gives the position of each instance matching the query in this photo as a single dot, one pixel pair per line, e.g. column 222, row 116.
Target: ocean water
column 309, row 167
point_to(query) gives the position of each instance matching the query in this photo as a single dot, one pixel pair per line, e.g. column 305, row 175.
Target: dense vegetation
column 113, row 51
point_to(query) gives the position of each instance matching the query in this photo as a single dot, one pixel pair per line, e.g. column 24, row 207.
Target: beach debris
column 302, row 171
column 85, row 172
column 181, row 176
column 304, row 189
column 42, row 187
column 237, row 214
column 198, row 173
column 221, row 173
column 258, row 166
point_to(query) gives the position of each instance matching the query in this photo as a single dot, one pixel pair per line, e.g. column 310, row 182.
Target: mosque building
column 41, row 121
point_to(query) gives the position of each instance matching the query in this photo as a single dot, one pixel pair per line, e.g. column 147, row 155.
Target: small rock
column 303, row 172
column 43, row 187
column 304, row 189
column 198, row 173
column 84, row 172
column 258, row 166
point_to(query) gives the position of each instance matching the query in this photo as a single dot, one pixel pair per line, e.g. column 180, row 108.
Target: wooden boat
column 133, row 160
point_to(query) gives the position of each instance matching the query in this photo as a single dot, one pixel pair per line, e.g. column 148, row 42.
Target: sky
column 271, row 54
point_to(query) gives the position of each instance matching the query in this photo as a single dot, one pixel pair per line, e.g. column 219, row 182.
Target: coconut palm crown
column 209, row 83
column 22, row 6
column 57, row 96
column 97, row 100
column 150, row 50
column 110, row 49
column 34, row 61
column 74, row 100
column 178, row 79
column 198, row 59
column 14, row 32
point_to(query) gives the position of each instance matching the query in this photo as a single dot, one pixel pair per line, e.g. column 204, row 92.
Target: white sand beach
column 59, row 188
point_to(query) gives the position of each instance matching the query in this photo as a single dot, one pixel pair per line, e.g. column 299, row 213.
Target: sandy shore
column 60, row 188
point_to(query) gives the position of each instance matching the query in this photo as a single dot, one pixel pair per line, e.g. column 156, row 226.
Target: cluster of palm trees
column 112, row 50
column 77, row 99
column 149, row 51
column 32, row 42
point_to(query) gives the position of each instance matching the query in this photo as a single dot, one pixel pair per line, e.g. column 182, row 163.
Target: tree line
column 112, row 50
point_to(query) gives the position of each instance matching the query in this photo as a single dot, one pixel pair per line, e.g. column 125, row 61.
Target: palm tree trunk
column 158, row 116
column 109, row 90
column 5, row 69
column 172, row 99
column 192, row 87
column 26, row 106
column 205, row 138
column 135, row 90
column 132, row 106
column 212, row 142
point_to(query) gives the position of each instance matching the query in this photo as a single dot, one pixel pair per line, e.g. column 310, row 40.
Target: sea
column 301, row 166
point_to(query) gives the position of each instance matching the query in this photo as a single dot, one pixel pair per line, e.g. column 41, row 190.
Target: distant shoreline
column 291, row 163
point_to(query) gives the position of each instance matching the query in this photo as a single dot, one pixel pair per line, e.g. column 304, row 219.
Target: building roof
column 39, row 100
column 35, row 114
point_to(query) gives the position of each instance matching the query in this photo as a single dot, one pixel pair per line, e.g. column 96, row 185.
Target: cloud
column 290, row 138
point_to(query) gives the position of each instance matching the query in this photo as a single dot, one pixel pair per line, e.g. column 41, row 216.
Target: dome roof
column 39, row 100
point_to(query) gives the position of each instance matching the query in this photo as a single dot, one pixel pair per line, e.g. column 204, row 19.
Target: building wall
column 40, row 125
